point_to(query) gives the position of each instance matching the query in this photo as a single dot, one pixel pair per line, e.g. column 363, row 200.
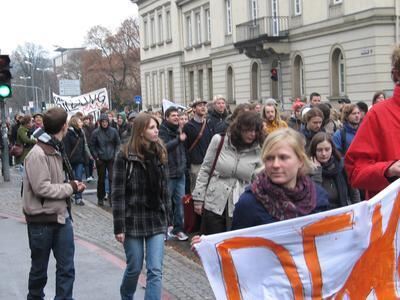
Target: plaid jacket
column 131, row 215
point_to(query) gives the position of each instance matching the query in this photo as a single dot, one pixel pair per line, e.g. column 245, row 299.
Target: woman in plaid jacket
column 141, row 206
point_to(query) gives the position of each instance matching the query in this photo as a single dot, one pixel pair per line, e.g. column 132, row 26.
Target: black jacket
column 75, row 142
column 215, row 119
column 192, row 129
column 104, row 143
column 176, row 149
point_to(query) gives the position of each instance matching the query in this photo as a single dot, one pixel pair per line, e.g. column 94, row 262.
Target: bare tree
column 116, row 61
column 26, row 59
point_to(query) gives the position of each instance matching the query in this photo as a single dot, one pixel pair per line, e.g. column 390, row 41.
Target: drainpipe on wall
column 397, row 22
column 280, row 83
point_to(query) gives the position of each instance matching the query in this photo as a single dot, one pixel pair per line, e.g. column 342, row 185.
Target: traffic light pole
column 4, row 153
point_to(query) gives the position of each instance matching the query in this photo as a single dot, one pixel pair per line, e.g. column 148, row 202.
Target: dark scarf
column 333, row 170
column 154, row 180
column 283, row 203
column 47, row 139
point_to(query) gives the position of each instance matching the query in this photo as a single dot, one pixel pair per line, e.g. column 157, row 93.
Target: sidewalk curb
column 104, row 254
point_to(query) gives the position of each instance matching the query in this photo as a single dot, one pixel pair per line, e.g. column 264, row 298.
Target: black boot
column 100, row 202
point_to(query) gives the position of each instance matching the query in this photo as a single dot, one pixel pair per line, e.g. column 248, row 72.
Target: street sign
column 138, row 99
column 70, row 87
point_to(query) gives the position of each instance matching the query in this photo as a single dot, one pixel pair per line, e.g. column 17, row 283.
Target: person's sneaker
column 100, row 202
column 181, row 236
column 80, row 202
column 89, row 179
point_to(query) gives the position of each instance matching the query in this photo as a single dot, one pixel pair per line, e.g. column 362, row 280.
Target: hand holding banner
column 347, row 252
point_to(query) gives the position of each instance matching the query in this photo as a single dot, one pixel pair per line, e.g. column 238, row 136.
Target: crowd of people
column 254, row 166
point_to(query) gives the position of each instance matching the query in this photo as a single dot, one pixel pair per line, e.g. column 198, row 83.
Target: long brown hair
column 138, row 145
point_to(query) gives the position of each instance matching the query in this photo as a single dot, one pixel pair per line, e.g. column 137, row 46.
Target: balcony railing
column 262, row 27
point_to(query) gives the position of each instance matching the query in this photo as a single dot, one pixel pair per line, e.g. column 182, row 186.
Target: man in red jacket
column 373, row 159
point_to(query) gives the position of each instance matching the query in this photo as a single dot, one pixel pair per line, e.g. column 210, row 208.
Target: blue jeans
column 176, row 188
column 42, row 239
column 134, row 251
column 78, row 174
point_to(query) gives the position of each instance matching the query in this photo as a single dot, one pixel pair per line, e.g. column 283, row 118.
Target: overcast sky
column 55, row 22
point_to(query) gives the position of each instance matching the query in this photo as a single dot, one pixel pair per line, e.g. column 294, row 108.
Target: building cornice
column 161, row 57
column 204, row 60
column 372, row 16
column 182, row 2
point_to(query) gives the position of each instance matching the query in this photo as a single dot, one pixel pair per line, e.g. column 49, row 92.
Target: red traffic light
column 4, row 61
column 274, row 74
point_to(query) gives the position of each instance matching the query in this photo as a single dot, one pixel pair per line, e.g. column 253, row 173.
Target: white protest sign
column 346, row 253
column 87, row 103
column 167, row 104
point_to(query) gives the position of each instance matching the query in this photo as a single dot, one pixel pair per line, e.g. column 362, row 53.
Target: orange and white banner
column 346, row 253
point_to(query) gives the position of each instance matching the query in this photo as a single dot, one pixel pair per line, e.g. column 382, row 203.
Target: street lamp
column 44, row 91
column 33, row 81
column 26, row 87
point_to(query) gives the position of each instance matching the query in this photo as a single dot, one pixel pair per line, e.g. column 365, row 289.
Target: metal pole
column 44, row 90
column 280, row 83
column 4, row 154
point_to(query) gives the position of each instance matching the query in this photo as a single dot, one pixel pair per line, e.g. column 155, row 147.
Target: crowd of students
column 253, row 166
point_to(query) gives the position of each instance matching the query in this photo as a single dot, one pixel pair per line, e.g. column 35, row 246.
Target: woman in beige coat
column 216, row 192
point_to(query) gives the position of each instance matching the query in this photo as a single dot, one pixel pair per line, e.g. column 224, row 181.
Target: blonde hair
column 73, row 122
column 295, row 140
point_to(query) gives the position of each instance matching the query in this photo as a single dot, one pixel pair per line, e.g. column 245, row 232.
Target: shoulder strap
column 221, row 142
column 76, row 146
column 343, row 140
column 198, row 136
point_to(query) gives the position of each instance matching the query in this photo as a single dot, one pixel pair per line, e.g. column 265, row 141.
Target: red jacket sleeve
column 364, row 161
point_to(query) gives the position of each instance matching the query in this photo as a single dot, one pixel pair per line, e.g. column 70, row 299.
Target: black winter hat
column 103, row 117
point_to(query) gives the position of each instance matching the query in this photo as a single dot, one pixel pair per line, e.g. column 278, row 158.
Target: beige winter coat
column 45, row 193
column 234, row 170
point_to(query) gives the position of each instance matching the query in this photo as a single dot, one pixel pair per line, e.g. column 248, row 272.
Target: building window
column 191, row 85
column 297, row 7
column 298, row 80
column 228, row 6
column 168, row 17
column 162, row 85
column 253, row 9
column 189, row 39
column 338, row 73
column 198, row 28
column 153, row 89
column 254, row 81
column 230, row 85
column 160, row 29
column 210, row 83
column 275, row 18
column 152, row 31
column 208, row 24
column 148, row 90
column 200, row 83
column 170, row 85
column 146, row 34
column 341, row 75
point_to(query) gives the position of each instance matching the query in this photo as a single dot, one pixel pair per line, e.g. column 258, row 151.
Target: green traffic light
column 5, row 91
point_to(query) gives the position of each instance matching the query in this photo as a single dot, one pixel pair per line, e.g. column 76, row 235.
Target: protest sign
column 346, row 253
column 90, row 103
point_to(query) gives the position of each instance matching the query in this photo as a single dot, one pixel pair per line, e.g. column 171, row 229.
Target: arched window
column 254, row 82
column 338, row 74
column 298, row 77
column 230, row 93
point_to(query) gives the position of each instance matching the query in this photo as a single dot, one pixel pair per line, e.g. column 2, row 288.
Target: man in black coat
column 173, row 139
column 218, row 113
column 199, row 135
column 104, row 146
